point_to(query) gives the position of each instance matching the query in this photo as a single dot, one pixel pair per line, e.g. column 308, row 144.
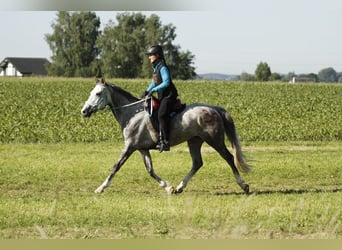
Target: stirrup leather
column 163, row 146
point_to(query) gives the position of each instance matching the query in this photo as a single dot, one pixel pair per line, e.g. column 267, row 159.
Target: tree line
column 80, row 49
column 263, row 73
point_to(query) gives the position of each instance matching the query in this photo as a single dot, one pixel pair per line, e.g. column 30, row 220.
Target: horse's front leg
column 122, row 159
column 146, row 156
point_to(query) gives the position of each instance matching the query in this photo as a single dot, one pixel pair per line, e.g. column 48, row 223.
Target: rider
column 166, row 90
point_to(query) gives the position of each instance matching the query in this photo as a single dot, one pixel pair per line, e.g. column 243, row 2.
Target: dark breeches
column 163, row 115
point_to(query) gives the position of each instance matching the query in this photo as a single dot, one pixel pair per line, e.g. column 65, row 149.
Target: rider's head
column 155, row 52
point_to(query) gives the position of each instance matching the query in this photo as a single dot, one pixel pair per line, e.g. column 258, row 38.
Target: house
column 304, row 78
column 23, row 66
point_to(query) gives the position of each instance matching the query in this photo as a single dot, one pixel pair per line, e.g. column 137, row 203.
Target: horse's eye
column 98, row 93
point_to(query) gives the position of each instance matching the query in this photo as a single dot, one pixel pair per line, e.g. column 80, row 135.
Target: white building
column 23, row 66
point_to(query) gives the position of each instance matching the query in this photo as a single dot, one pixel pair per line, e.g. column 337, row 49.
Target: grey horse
column 196, row 124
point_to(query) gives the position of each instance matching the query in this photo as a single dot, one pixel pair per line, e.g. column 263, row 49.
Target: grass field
column 47, row 192
column 51, row 161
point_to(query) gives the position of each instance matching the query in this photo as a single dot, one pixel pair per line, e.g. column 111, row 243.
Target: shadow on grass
column 284, row 191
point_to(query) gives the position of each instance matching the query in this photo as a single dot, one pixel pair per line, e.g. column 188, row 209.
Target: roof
column 26, row 65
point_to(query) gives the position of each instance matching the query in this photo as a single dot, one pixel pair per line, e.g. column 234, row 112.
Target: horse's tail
column 239, row 159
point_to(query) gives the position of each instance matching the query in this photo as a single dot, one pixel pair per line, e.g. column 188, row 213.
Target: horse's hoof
column 179, row 191
column 170, row 190
column 99, row 190
column 246, row 189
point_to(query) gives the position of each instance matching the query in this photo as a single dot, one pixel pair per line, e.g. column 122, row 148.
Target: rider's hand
column 144, row 94
column 149, row 94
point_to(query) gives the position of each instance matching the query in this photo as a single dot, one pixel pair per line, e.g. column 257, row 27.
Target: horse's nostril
column 84, row 112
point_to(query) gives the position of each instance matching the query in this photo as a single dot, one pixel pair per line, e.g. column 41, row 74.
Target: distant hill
column 217, row 76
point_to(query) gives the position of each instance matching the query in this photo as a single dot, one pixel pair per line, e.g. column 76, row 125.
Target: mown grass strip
column 47, row 192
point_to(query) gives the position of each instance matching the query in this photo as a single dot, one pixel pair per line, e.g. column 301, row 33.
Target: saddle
column 177, row 107
column 152, row 105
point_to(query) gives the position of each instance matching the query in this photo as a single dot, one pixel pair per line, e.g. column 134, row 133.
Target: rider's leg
column 163, row 117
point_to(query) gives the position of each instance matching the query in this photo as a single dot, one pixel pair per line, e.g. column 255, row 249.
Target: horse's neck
column 120, row 98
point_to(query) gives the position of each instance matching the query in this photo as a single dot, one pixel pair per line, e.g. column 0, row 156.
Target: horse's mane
column 123, row 92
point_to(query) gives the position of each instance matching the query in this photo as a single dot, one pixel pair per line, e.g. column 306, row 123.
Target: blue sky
column 231, row 37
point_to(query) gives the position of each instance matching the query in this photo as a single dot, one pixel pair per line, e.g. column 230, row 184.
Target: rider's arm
column 165, row 75
column 152, row 85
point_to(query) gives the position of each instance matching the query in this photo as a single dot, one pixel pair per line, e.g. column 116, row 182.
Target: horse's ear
column 102, row 79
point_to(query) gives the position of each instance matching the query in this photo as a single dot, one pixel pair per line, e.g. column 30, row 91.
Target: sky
column 228, row 37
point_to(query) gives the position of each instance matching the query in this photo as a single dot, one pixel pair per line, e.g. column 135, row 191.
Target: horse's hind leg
column 145, row 154
column 223, row 151
column 195, row 145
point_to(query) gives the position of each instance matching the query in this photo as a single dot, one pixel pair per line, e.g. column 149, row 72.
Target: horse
column 196, row 124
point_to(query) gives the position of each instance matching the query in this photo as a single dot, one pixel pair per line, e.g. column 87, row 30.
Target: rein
column 135, row 103
column 150, row 112
column 130, row 104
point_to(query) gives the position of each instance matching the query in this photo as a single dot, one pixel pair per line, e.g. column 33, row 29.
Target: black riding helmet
column 155, row 50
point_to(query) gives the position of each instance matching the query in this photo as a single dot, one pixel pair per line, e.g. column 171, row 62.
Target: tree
column 262, row 72
column 339, row 77
column 73, row 44
column 327, row 75
column 123, row 46
column 275, row 77
column 247, row 77
column 181, row 65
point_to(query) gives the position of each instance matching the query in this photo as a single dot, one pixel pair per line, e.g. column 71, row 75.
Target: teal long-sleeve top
column 165, row 75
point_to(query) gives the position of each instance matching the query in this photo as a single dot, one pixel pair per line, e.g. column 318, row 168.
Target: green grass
column 51, row 161
column 47, row 192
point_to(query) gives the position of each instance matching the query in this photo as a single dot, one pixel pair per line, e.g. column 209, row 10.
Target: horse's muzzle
column 86, row 112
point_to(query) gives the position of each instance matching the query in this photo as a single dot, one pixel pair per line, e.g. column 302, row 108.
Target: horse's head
column 98, row 98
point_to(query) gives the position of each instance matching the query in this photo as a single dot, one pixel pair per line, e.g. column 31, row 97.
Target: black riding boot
column 163, row 143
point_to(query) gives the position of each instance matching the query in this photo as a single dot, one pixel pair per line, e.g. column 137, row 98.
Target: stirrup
column 163, row 146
